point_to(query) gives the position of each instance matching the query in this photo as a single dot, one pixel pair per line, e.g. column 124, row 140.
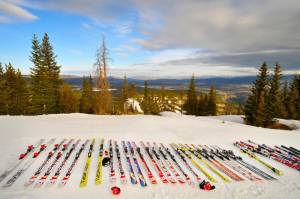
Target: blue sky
column 154, row 39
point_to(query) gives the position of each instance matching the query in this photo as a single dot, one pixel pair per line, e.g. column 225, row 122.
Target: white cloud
column 12, row 11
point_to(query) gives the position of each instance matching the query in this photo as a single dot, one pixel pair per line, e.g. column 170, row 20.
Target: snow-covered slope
column 16, row 132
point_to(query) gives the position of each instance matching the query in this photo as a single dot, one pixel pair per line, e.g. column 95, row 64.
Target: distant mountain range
column 236, row 88
column 218, row 82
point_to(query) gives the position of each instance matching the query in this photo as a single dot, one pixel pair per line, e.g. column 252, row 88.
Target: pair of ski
column 21, row 159
column 28, row 163
column 212, row 151
column 217, row 164
column 277, row 155
column 47, row 159
column 247, row 150
column 131, row 149
column 183, row 154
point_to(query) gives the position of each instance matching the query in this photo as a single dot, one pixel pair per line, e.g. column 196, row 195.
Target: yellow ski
column 198, row 155
column 85, row 174
column 185, row 152
column 98, row 179
column 252, row 155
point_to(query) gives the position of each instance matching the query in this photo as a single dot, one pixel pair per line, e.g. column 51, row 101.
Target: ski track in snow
column 19, row 131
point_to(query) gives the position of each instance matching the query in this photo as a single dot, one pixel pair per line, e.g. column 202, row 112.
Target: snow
column 134, row 104
column 19, row 131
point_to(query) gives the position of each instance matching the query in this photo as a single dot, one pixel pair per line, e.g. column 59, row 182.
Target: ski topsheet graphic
column 85, row 175
column 98, row 179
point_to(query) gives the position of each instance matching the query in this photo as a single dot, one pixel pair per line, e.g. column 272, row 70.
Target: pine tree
column 68, row 102
column 274, row 103
column 146, row 100
column 132, row 91
column 87, row 100
column 52, row 71
column 212, row 102
column 202, row 104
column 163, row 98
column 45, row 81
column 293, row 99
column 39, row 80
column 255, row 104
column 17, row 91
column 285, row 98
column 3, row 93
column 191, row 105
column 154, row 104
column 297, row 80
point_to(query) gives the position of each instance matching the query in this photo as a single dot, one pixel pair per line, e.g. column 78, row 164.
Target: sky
column 156, row 38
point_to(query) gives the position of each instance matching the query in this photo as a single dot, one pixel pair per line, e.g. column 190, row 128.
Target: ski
column 162, row 165
column 98, row 179
column 246, row 150
column 69, row 172
column 247, row 165
column 170, row 165
column 54, row 178
column 235, row 166
column 85, row 175
column 142, row 180
column 149, row 173
column 274, row 154
column 43, row 178
column 22, row 158
column 131, row 171
column 183, row 148
column 155, row 164
column 217, row 164
column 203, row 184
column 187, row 178
column 27, row 164
column 121, row 170
column 48, row 158
column 113, row 180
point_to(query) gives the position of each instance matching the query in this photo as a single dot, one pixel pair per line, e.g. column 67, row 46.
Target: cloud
column 196, row 35
column 288, row 58
column 11, row 12
column 225, row 25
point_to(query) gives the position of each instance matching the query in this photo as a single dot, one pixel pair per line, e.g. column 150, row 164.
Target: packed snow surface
column 19, row 131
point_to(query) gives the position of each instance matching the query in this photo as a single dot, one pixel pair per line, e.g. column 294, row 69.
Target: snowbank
column 19, row 131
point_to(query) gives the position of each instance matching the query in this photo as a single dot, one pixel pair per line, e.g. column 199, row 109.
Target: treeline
column 45, row 93
column 269, row 99
column 201, row 104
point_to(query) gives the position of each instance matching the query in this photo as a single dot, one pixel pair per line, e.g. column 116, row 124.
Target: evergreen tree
column 154, row 104
column 39, row 80
column 274, row 103
column 3, row 93
column 202, row 104
column 191, row 105
column 17, row 91
column 146, row 100
column 297, row 80
column 293, row 100
column 163, row 99
column 132, row 91
column 125, row 90
column 45, row 81
column 68, row 102
column 255, row 104
column 48, row 60
column 212, row 102
column 87, row 100
column 285, row 98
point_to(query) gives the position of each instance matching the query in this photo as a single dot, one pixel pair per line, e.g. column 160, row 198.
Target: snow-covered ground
column 16, row 132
